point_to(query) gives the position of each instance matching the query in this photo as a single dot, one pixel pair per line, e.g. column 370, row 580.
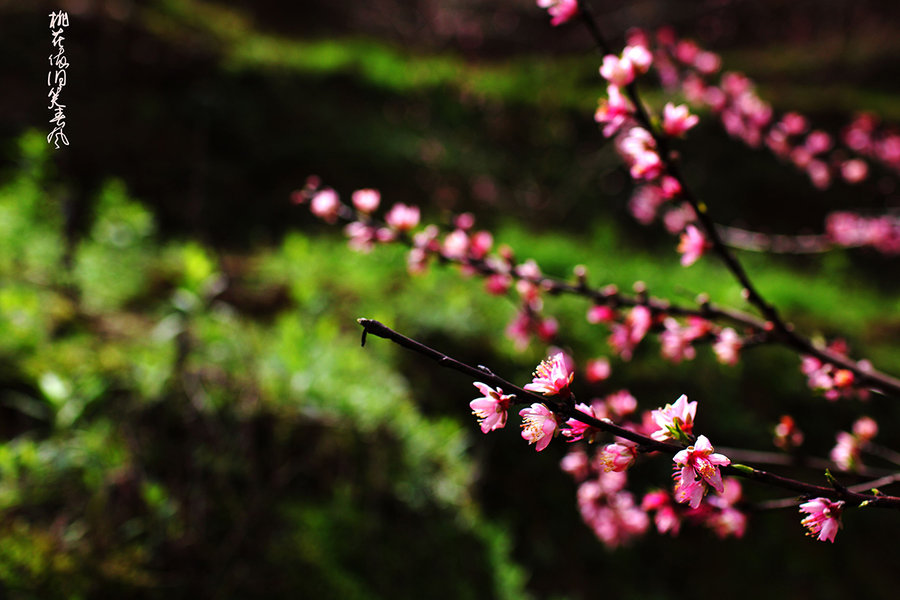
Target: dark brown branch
column 647, row 444
column 779, row 327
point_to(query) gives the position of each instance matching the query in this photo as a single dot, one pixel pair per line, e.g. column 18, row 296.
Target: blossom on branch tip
column 402, row 217
column 824, row 518
column 561, row 11
column 539, row 425
column 366, row 200
column 699, row 467
column 552, row 377
column 675, row 421
column 491, row 409
column 677, row 120
column 692, row 245
column 325, row 205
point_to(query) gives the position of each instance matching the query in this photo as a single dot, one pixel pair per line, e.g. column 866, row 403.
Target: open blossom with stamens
column 699, row 468
column 674, row 420
column 491, row 407
column 677, row 120
column 560, row 10
column 824, row 518
column 692, row 245
column 539, row 425
column 618, row 456
column 552, row 377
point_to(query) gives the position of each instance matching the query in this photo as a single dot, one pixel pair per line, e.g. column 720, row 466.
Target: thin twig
column 646, row 444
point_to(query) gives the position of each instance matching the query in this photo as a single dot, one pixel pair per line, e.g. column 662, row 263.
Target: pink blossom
column 361, row 236
column 787, row 434
column 794, row 123
column 639, row 56
column 480, row 244
column 613, row 112
column 547, row 329
column 561, row 10
column 498, row 284
column 686, row 51
column 645, row 202
column 621, row 403
column 707, row 62
column 676, row 346
column 666, row 520
column 618, row 456
column 727, row 346
column 402, row 217
column 845, row 453
column 576, row 430
column 824, row 518
column 612, row 515
column 677, row 120
column 675, row 421
column 600, row 314
column 854, row 170
column 456, row 244
column 520, row 329
column 576, row 464
column 626, row 336
column 539, row 425
column 618, row 71
column 865, row 428
column 818, row 142
column 722, row 517
column 325, row 205
column 697, row 327
column 699, row 468
column 491, row 408
column 552, row 377
column 597, row 370
column 366, row 200
column 677, row 218
column 671, row 187
column 819, row 174
column 639, row 149
column 692, row 245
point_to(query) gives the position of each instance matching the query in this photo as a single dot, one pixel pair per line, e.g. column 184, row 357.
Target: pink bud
column 366, row 200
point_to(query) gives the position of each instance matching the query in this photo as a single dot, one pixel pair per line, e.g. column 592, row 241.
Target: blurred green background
column 185, row 410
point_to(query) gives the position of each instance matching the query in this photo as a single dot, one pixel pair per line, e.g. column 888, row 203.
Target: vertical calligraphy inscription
column 56, row 78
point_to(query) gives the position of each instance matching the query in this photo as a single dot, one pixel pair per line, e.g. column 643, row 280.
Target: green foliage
column 167, row 400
